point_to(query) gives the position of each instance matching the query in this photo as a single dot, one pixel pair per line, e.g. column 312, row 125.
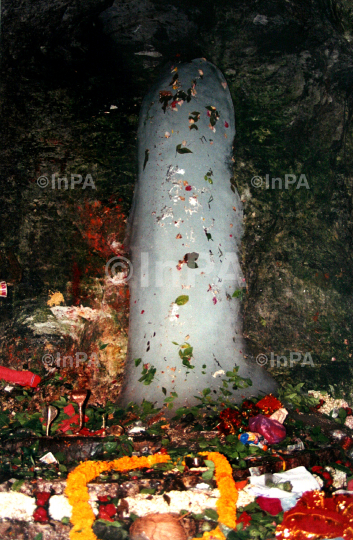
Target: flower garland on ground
column 82, row 514
column 227, row 502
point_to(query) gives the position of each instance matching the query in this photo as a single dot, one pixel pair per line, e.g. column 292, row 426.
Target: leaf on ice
column 182, row 150
column 182, row 300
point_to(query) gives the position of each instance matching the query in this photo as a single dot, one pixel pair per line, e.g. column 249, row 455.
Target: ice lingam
column 184, row 235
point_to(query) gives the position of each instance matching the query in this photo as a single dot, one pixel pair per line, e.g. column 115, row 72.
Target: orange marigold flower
column 82, row 514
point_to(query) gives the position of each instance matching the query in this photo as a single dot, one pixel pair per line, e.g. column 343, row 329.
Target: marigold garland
column 227, row 502
column 77, row 492
column 82, row 514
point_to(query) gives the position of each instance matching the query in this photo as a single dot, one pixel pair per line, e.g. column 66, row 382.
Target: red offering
column 40, row 514
column 3, row 289
column 269, row 404
column 273, row 431
column 24, row 378
column 271, row 505
column 42, row 498
column 316, row 516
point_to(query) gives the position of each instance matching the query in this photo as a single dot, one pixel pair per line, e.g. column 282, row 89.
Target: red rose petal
column 244, row 518
column 110, row 509
column 40, row 514
column 104, row 515
column 270, row 505
column 42, row 497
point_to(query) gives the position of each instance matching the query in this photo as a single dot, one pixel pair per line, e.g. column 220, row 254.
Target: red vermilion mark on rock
column 103, row 227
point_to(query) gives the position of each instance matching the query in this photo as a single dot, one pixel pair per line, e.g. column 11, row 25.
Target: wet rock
column 29, row 531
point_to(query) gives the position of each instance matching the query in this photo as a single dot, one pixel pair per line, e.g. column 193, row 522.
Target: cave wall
column 73, row 78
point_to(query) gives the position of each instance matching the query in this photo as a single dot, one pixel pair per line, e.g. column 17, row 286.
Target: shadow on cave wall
column 73, row 79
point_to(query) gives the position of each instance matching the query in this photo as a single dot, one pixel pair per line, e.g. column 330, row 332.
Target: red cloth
column 24, row 378
column 273, row 431
column 74, row 420
column 87, row 433
column 71, row 422
column 272, row 506
column 316, row 517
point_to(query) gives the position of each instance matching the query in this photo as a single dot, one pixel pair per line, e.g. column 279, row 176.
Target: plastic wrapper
column 273, row 431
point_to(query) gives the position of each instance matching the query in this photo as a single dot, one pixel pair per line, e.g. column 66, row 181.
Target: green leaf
column 148, row 375
column 182, row 300
column 186, row 362
column 211, row 514
column 149, row 491
column 102, row 347
column 341, row 468
column 182, row 150
column 206, row 391
column 203, row 444
column 210, row 464
column 198, row 517
column 342, row 413
column 16, row 486
column 164, row 390
column 65, row 521
column 208, row 475
column 110, row 446
column 137, row 361
column 39, row 536
column 175, row 343
column 59, row 456
column 239, row 293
